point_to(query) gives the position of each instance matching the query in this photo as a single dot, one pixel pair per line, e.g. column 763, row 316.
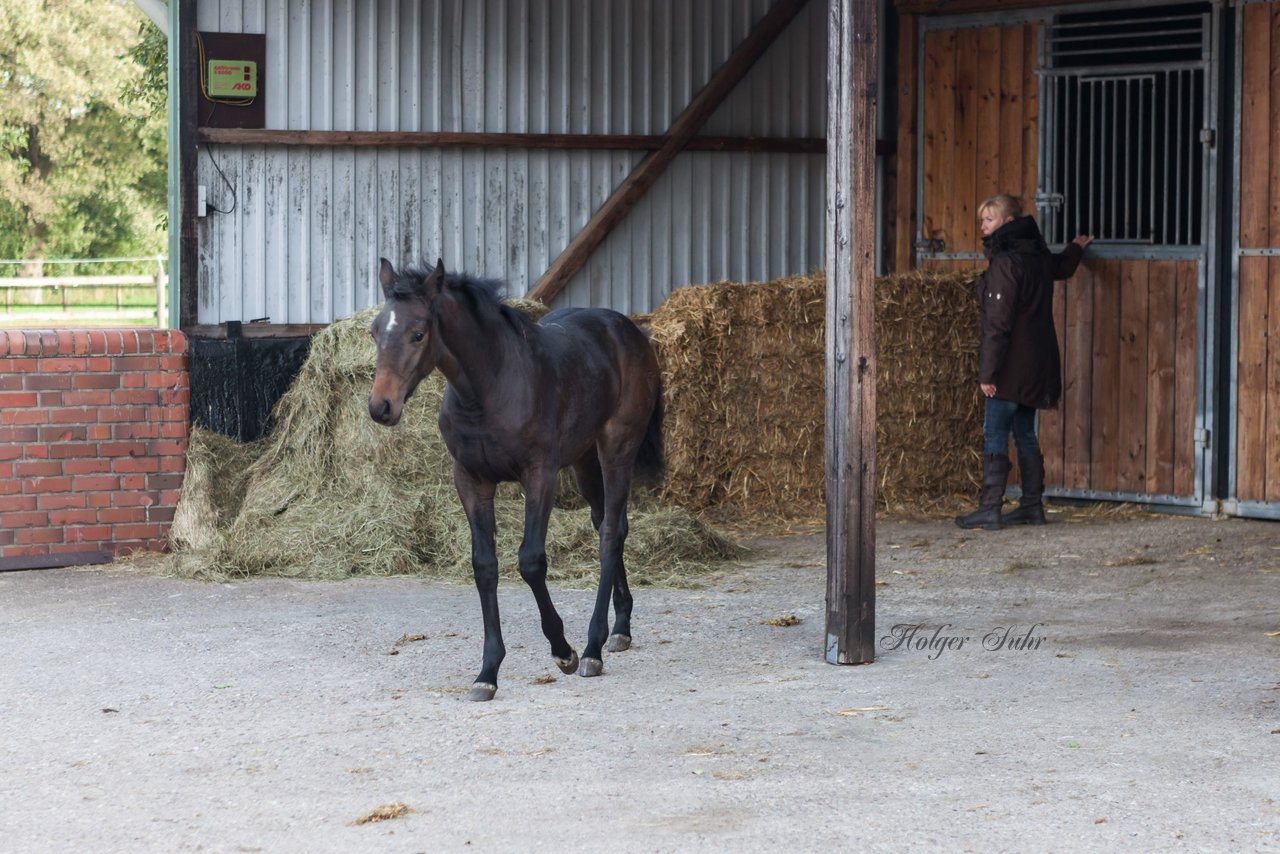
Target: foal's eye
column 417, row 337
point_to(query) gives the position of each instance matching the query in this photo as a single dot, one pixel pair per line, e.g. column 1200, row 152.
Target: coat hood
column 1022, row 235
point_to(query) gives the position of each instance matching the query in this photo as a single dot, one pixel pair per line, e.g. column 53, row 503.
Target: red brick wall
column 93, row 441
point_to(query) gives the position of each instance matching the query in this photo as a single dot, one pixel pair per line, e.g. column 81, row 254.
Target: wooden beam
column 852, row 92
column 539, row 141
column 647, row 171
column 908, row 85
column 187, row 279
column 955, row 7
column 255, row 330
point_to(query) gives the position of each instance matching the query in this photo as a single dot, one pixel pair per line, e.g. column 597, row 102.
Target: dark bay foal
column 582, row 388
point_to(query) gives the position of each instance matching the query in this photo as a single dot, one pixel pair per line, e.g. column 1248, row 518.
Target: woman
column 1018, row 364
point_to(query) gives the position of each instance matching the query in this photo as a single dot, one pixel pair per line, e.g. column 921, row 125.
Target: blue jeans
column 1005, row 417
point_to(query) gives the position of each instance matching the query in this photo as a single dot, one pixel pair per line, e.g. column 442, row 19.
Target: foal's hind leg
column 613, row 535
column 540, row 494
column 620, row 638
column 591, row 484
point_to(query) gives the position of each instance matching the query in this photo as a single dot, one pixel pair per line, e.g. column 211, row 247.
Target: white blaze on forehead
column 391, row 320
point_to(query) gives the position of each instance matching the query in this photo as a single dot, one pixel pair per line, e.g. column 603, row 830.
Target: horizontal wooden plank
column 560, row 142
column 955, row 7
column 75, row 281
column 256, row 330
column 50, row 317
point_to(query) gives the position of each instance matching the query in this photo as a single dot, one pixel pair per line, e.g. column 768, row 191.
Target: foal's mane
column 483, row 294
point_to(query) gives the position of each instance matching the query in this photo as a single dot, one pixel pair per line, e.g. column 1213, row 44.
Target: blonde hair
column 1004, row 205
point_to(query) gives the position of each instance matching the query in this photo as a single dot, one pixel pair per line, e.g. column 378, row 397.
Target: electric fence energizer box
column 232, row 72
column 232, row 78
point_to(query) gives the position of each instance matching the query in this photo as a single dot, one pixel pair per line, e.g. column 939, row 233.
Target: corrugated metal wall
column 308, row 225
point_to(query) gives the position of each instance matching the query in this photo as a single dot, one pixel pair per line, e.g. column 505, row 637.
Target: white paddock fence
column 39, row 299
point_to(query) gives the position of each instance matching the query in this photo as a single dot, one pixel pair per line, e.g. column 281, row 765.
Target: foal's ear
column 435, row 281
column 386, row 276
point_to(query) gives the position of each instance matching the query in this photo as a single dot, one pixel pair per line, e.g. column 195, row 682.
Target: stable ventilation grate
column 1126, row 37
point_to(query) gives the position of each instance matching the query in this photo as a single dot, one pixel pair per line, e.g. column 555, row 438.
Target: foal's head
column 407, row 334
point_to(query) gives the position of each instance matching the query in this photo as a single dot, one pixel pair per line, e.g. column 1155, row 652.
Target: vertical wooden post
column 162, row 314
column 905, row 208
column 187, row 273
column 852, row 91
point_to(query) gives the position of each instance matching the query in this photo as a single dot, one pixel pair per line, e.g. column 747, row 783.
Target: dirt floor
column 1104, row 683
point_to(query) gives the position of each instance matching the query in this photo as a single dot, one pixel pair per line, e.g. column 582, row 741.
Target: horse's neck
column 477, row 354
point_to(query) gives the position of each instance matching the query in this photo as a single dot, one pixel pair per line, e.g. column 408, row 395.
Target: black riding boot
column 1030, row 509
column 995, row 475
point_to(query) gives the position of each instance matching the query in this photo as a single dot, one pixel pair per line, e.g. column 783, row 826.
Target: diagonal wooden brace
column 648, row 170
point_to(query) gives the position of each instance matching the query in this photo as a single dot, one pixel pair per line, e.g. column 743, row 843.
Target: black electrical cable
column 223, row 176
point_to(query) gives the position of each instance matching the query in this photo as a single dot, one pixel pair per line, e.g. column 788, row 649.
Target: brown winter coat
column 1019, row 350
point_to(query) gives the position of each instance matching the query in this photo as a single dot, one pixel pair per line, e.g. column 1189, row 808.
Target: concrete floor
column 1141, row 713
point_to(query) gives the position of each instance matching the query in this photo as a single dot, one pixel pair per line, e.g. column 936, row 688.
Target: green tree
column 82, row 143
column 151, row 87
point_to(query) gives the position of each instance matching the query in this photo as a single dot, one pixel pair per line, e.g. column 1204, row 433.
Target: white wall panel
column 302, row 241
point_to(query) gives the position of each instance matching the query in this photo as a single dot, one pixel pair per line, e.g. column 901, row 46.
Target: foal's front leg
column 540, row 494
column 477, row 502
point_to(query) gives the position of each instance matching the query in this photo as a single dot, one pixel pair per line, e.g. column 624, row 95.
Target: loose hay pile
column 331, row 494
column 744, row 367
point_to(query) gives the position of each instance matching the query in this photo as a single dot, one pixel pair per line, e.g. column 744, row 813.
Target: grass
column 43, row 306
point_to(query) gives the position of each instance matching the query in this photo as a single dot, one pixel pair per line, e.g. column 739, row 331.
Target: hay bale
column 929, row 412
column 330, row 494
column 745, row 371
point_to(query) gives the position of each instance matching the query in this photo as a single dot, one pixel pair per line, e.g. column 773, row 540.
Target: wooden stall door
column 1127, row 327
column 1255, row 466
column 1126, row 424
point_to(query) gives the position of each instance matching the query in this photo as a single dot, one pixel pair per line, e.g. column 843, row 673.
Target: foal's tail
column 649, row 459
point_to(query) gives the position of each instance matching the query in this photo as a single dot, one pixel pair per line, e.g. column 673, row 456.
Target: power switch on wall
column 202, row 206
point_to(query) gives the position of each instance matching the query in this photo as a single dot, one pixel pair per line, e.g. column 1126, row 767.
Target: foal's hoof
column 482, row 692
column 591, row 667
column 617, row 643
column 566, row 665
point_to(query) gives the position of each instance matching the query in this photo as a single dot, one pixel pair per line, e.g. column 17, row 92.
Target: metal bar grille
column 1124, row 160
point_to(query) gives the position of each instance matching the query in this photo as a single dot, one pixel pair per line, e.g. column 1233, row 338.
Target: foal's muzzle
column 382, row 410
